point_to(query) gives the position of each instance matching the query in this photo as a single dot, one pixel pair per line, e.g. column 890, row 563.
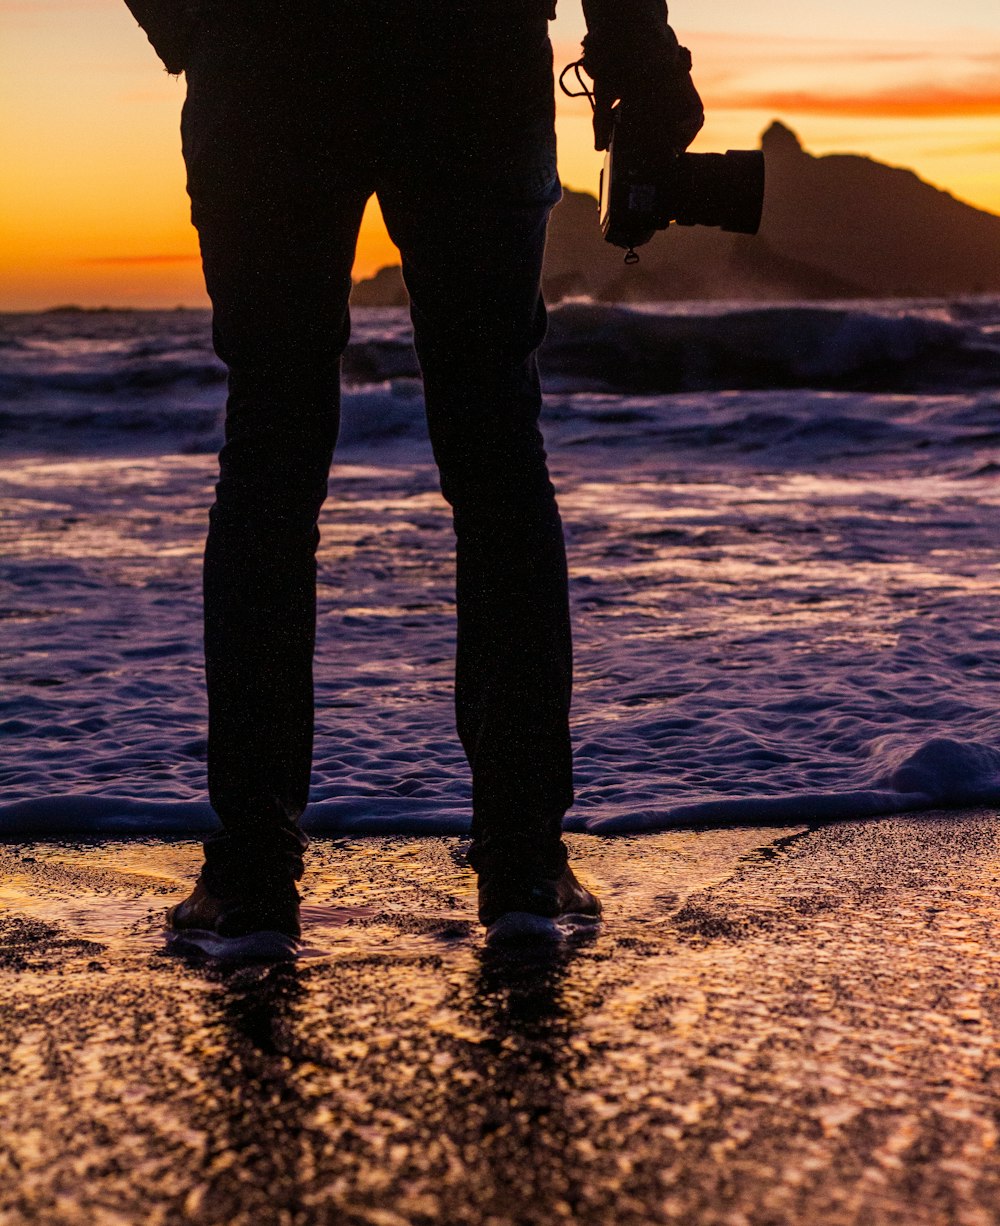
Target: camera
column 640, row 194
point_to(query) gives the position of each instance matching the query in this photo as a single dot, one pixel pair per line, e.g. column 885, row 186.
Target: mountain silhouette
column 837, row 226
column 384, row 289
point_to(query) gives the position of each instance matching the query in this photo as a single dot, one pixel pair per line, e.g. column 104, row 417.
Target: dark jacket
column 170, row 26
column 621, row 32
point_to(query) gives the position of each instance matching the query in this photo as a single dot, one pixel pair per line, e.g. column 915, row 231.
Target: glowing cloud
column 914, row 101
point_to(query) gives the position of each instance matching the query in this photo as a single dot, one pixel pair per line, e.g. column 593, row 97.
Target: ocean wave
column 189, row 422
column 673, row 347
column 939, row 774
column 99, row 381
column 150, row 370
column 145, row 375
column 773, row 347
column 778, row 429
column 789, row 428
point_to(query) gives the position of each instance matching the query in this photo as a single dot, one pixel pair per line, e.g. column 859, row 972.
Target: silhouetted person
column 295, row 114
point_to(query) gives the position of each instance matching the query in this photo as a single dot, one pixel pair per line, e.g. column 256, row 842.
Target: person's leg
column 277, row 211
column 514, row 663
column 469, row 214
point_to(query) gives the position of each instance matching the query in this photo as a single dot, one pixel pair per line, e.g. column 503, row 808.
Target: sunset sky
column 92, row 195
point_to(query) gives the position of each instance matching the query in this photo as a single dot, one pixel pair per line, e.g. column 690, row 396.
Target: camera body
column 640, row 194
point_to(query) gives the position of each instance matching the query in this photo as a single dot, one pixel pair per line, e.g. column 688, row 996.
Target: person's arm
column 169, row 26
column 633, row 55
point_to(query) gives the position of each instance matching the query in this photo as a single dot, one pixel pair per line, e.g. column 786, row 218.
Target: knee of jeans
column 259, row 516
column 268, row 491
column 492, row 461
column 270, row 364
column 505, row 499
column 267, row 508
column 273, row 387
column 278, row 449
column 494, row 352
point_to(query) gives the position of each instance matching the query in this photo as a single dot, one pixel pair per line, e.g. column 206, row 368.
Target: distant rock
column 385, row 289
column 838, row 226
column 780, row 140
column 876, row 227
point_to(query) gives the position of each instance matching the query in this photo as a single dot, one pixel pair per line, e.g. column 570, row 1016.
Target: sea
column 782, row 524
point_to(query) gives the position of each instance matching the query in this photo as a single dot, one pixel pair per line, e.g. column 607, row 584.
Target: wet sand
column 773, row 1026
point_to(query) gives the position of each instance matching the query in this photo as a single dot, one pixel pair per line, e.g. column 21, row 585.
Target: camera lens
column 722, row 189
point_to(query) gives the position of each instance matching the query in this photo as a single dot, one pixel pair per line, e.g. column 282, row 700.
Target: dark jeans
column 295, row 115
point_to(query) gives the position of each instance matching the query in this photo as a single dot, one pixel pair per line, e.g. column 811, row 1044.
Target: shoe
column 263, row 927
column 515, row 905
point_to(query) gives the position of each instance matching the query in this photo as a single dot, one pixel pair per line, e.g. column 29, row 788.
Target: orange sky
column 92, row 202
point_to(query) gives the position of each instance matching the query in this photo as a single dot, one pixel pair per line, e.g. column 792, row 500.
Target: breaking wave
column 873, row 348
column 940, row 774
column 95, row 380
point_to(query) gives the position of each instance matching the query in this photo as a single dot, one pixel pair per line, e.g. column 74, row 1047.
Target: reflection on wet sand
column 249, row 1068
column 771, row 1026
column 507, row 1111
column 519, row 1104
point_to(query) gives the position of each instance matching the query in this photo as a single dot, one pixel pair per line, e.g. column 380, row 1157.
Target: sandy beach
column 772, row 1026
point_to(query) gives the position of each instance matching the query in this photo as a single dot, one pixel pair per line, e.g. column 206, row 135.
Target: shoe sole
column 523, row 927
column 266, row 946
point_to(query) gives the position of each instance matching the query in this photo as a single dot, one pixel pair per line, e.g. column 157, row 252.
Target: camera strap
column 584, row 91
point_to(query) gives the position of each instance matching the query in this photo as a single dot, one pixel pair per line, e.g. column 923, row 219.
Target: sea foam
column 786, row 597
column 941, row 774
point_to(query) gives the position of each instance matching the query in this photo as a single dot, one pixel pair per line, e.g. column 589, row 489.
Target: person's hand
column 662, row 102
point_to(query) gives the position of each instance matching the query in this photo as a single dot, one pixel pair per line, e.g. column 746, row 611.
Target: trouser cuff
column 519, row 853
column 236, row 864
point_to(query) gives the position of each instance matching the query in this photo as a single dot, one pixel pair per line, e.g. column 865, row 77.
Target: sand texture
column 773, row 1028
